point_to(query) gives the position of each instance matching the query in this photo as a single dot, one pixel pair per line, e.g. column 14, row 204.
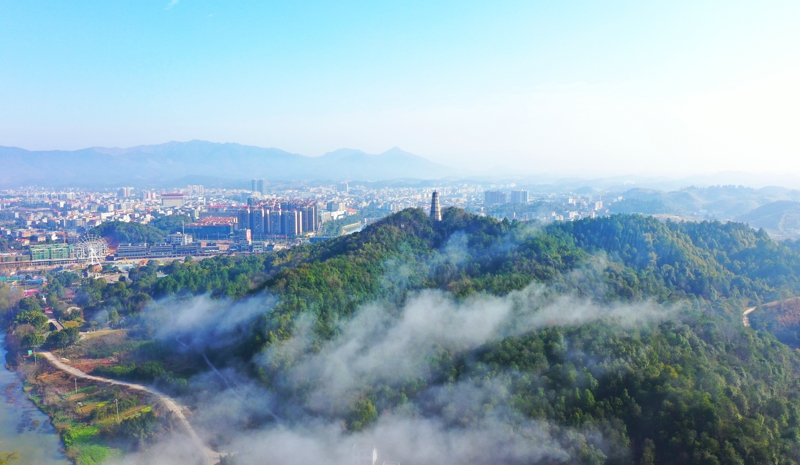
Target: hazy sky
column 555, row 86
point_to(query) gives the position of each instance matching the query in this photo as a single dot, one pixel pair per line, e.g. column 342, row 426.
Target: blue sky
column 566, row 87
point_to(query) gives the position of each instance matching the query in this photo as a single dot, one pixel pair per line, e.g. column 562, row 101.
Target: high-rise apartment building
column 275, row 223
column 243, row 219
column 343, row 187
column 292, row 223
column 310, row 217
column 257, row 222
column 519, row 196
column 196, row 189
column 267, row 222
column 278, row 217
column 494, row 197
column 258, row 185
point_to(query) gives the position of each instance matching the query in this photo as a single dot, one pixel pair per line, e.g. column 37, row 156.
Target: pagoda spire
column 436, row 210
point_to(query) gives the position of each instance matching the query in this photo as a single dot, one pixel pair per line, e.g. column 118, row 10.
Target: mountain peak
column 398, row 152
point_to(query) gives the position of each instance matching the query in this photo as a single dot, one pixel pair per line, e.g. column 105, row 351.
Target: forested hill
column 632, row 256
column 696, row 387
column 642, row 357
column 642, row 257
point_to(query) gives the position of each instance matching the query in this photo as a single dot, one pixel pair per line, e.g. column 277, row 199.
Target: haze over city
column 674, row 88
column 383, row 233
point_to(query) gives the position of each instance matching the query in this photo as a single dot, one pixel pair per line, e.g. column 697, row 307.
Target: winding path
column 212, row 457
column 745, row 318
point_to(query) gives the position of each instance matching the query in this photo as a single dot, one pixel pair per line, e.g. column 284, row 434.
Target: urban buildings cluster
column 500, row 197
column 277, row 217
column 176, row 245
column 41, row 224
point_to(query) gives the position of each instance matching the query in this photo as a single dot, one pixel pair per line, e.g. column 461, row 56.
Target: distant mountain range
column 780, row 219
column 720, row 202
column 775, row 209
column 158, row 165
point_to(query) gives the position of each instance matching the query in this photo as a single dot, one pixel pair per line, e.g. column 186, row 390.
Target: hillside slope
column 781, row 218
column 781, row 318
column 720, row 202
column 613, row 340
column 680, row 382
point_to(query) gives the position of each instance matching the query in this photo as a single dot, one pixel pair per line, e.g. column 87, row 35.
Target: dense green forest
column 690, row 386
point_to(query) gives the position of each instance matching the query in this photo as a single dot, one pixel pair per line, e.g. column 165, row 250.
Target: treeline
column 641, row 258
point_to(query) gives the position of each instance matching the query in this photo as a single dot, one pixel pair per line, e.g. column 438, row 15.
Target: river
column 23, row 428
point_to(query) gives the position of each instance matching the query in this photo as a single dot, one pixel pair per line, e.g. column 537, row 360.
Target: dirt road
column 212, row 457
column 745, row 319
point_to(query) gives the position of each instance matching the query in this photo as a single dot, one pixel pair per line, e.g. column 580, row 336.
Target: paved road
column 212, row 457
column 745, row 319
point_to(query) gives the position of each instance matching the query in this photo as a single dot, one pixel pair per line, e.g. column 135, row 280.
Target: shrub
column 78, row 434
column 64, row 338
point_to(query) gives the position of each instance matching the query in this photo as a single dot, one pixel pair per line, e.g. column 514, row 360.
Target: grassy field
column 102, row 333
column 115, row 350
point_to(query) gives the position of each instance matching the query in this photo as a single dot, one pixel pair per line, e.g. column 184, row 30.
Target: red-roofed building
column 212, row 227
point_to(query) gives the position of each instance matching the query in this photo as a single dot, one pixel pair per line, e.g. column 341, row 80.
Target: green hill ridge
column 621, row 337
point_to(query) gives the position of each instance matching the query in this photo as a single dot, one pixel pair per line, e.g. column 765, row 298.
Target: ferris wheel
column 92, row 249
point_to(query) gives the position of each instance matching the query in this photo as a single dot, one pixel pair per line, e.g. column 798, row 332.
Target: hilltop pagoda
column 436, row 210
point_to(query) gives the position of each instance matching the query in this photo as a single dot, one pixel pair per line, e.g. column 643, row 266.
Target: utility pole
column 116, row 402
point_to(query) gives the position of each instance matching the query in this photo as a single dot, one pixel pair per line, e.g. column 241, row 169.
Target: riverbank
column 25, row 429
column 96, row 421
column 211, row 457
